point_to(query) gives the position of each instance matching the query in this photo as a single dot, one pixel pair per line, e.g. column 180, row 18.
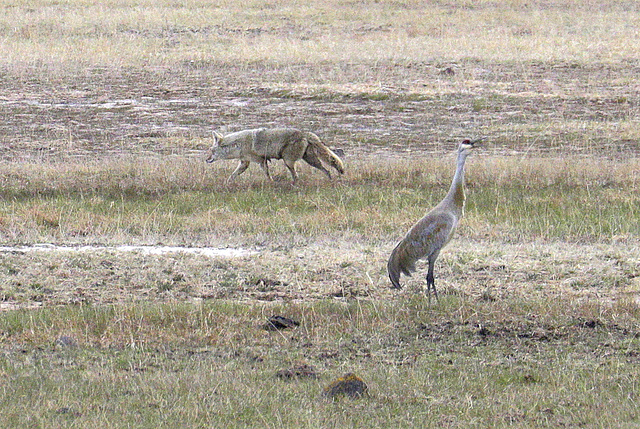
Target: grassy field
column 107, row 108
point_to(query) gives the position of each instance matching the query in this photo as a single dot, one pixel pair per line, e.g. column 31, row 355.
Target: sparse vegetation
column 107, row 108
column 503, row 363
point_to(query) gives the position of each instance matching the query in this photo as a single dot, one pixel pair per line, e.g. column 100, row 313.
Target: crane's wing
column 430, row 234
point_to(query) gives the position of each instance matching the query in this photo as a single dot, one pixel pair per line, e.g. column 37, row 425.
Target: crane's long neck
column 455, row 196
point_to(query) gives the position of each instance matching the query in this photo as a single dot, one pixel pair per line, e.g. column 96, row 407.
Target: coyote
column 262, row 145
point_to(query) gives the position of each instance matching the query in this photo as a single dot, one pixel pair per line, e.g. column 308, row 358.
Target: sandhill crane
column 431, row 233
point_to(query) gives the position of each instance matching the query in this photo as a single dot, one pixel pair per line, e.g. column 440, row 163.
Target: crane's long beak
column 476, row 141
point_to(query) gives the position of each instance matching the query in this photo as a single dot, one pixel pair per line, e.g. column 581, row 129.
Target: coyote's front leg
column 239, row 170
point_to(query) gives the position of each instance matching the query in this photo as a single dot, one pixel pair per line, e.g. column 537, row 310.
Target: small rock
column 449, row 71
column 269, row 283
column 348, row 385
column 66, row 341
column 68, row 410
column 592, row 323
column 300, row 371
column 275, row 323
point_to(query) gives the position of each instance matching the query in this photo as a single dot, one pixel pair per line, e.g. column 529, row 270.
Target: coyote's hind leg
column 292, row 169
column 264, row 163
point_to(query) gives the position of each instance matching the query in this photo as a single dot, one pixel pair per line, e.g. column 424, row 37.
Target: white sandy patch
column 211, row 252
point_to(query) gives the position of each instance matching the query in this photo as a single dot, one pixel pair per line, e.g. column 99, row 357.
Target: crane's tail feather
column 398, row 265
column 394, row 275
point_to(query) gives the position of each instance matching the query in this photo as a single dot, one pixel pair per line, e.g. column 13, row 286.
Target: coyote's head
column 218, row 151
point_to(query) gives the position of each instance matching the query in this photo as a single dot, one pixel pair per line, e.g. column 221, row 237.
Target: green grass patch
column 526, row 199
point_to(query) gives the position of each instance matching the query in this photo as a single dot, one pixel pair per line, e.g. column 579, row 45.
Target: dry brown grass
column 181, row 200
column 158, row 175
column 77, row 33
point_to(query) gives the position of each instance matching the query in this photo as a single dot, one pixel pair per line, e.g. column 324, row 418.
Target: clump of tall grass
column 562, row 172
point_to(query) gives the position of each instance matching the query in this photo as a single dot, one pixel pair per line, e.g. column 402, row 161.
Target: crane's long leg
column 431, row 284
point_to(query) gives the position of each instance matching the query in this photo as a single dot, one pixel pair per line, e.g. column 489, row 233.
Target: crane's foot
column 432, row 287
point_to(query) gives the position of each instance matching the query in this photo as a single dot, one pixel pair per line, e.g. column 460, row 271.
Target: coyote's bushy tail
column 324, row 153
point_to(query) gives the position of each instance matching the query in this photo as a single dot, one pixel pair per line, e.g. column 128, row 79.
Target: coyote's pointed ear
column 217, row 138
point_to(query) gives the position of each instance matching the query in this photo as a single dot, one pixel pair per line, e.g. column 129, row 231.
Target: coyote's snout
column 262, row 145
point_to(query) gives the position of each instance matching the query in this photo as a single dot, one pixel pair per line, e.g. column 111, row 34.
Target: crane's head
column 467, row 146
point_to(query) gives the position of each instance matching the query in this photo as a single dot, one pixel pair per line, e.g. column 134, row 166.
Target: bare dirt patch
column 522, row 108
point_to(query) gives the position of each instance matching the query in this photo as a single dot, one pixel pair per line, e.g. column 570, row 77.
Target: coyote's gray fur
column 261, row 145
